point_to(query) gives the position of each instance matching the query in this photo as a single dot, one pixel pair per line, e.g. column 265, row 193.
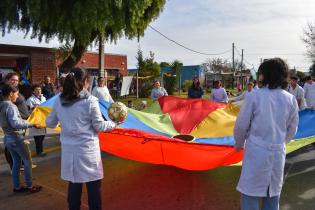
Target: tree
column 164, row 64
column 78, row 21
column 312, row 69
column 147, row 67
column 309, row 40
column 301, row 75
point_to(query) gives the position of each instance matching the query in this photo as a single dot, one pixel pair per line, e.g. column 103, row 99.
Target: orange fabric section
column 153, row 148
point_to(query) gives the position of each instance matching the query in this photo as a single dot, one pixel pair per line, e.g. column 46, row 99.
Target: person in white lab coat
column 218, row 94
column 101, row 91
column 267, row 121
column 80, row 118
column 309, row 91
column 250, row 88
column 295, row 89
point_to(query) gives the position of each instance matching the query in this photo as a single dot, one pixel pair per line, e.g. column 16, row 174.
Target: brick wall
column 6, row 62
column 112, row 61
column 43, row 64
column 41, row 60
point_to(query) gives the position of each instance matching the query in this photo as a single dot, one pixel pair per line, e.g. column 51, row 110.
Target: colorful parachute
column 147, row 135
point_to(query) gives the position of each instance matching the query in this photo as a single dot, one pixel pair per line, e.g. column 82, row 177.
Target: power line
column 246, row 61
column 187, row 48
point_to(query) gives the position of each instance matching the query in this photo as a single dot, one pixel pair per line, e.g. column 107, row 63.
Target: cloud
column 263, row 28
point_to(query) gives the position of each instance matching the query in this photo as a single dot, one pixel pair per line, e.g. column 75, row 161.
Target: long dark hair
column 8, row 89
column 275, row 73
column 74, row 83
column 195, row 85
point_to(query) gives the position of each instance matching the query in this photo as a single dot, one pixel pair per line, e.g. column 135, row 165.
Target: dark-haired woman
column 266, row 122
column 195, row 91
column 79, row 115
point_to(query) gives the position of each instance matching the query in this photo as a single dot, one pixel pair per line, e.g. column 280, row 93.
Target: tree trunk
column 76, row 54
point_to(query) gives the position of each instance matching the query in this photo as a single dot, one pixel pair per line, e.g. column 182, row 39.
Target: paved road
column 140, row 186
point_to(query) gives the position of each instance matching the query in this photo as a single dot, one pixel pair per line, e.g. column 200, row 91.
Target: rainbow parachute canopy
column 146, row 136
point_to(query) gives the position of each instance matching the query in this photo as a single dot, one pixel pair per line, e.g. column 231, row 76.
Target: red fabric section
column 157, row 149
column 186, row 114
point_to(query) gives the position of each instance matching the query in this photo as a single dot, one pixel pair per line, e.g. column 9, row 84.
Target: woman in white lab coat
column 266, row 122
column 80, row 118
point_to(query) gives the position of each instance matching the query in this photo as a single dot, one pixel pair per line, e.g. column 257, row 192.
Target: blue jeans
column 253, row 203
column 18, row 151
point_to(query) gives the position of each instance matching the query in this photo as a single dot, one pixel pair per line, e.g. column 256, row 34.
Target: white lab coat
column 80, row 154
column 267, row 120
column 219, row 95
column 102, row 93
column 32, row 102
column 298, row 92
column 309, row 90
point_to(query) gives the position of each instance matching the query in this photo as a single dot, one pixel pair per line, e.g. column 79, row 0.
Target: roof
column 48, row 48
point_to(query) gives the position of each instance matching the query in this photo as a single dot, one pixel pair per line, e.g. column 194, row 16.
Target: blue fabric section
column 50, row 102
column 227, row 140
column 306, row 126
column 131, row 121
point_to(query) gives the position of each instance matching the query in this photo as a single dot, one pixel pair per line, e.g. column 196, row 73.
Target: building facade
column 33, row 63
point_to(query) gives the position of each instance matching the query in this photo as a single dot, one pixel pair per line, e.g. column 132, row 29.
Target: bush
column 145, row 88
column 188, row 83
column 170, row 84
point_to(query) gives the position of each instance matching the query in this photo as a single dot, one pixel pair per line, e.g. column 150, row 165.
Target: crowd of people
column 275, row 104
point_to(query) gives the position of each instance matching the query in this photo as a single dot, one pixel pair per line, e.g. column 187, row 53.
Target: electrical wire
column 187, row 48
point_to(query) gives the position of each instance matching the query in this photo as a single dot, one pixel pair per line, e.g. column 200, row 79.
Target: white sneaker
column 22, row 167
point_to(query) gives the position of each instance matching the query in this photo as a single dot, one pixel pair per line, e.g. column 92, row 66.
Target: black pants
column 94, row 195
column 39, row 143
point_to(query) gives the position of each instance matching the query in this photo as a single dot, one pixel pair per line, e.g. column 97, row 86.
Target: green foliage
column 176, row 66
column 300, row 75
column 146, row 87
column 312, row 70
column 164, row 64
column 170, row 84
column 147, row 67
column 79, row 21
column 188, row 83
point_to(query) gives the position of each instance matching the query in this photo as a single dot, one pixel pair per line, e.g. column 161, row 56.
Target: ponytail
column 73, row 84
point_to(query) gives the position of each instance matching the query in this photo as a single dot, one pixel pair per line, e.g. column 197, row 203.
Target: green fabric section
column 159, row 122
column 153, row 109
column 295, row 145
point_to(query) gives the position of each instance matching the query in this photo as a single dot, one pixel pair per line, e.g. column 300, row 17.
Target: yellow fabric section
column 218, row 123
column 297, row 144
column 39, row 115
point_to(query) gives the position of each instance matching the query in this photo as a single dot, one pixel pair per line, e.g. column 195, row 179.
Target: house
column 34, row 63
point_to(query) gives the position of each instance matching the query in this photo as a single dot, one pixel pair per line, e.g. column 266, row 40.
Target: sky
column 263, row 28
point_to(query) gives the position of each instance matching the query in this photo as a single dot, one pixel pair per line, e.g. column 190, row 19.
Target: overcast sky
column 263, row 28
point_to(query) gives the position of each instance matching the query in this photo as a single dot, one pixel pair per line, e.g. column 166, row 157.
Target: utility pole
column 233, row 62
column 242, row 68
column 233, row 65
